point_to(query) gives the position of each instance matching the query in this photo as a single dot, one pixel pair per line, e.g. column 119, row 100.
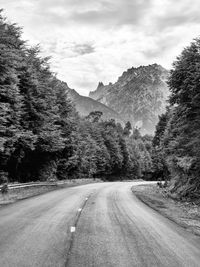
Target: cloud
column 82, row 49
column 182, row 14
column 91, row 41
column 113, row 13
column 104, row 13
column 160, row 46
column 66, row 49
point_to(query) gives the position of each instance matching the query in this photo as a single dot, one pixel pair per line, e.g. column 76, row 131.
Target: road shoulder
column 185, row 214
column 27, row 191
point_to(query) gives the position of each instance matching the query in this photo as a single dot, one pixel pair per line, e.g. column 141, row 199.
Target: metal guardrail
column 32, row 184
column 15, row 186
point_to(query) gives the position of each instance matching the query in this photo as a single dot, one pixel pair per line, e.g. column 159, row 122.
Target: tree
column 11, row 48
column 160, row 129
column 178, row 132
column 127, row 129
column 41, row 134
column 94, row 116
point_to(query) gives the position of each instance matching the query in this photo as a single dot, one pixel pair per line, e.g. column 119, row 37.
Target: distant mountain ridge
column 84, row 105
column 139, row 95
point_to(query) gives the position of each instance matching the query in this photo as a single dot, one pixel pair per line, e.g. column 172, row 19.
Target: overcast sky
column 96, row 40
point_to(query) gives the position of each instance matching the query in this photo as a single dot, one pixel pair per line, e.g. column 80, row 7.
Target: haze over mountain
column 139, row 95
column 84, row 105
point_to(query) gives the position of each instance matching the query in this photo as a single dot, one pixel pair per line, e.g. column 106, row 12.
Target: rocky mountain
column 84, row 105
column 139, row 95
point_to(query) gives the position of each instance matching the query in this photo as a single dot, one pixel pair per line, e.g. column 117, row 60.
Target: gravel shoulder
column 185, row 214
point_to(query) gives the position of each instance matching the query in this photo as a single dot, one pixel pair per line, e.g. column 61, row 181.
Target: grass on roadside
column 184, row 213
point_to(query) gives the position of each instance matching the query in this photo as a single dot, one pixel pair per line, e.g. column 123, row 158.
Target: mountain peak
column 100, row 85
column 139, row 95
column 84, row 105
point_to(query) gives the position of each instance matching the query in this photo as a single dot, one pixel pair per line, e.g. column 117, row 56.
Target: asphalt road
column 93, row 225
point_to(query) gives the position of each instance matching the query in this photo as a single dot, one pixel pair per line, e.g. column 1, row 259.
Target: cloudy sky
column 96, row 40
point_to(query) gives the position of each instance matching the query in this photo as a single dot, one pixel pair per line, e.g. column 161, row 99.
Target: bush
column 3, row 177
column 162, row 185
column 4, row 189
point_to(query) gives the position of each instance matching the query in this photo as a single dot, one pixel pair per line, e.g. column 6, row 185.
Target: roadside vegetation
column 184, row 213
column 18, row 191
column 176, row 146
column 177, row 138
column 41, row 135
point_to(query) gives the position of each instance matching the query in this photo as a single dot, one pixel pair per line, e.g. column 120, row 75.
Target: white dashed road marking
column 73, row 229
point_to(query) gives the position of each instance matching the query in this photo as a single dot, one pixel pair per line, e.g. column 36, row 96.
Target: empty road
column 92, row 225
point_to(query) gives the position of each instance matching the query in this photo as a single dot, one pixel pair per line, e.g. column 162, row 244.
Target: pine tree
column 127, row 129
column 181, row 141
column 10, row 98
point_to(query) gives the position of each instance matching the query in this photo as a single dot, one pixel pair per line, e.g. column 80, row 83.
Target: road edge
column 178, row 223
column 50, row 189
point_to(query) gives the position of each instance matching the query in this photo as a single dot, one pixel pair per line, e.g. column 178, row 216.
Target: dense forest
column 41, row 135
column 177, row 138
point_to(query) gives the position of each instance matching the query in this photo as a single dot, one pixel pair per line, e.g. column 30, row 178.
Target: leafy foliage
column 178, row 131
column 42, row 136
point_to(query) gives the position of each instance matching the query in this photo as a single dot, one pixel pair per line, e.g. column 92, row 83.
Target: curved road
column 93, row 225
